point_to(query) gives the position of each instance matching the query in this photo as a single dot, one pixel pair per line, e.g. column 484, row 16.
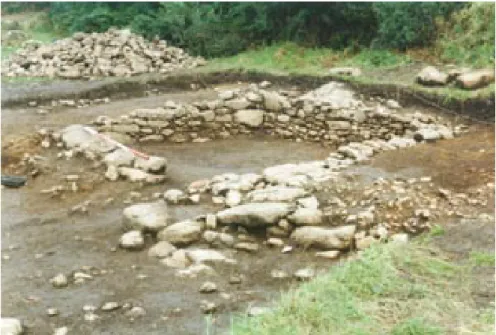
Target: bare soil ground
column 41, row 239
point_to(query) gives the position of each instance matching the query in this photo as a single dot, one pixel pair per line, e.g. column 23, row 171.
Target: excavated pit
column 41, row 239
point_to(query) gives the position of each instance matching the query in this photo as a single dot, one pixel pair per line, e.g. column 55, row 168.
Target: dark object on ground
column 13, row 181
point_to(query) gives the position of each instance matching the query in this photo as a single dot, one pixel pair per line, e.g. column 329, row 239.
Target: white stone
column 174, row 196
column 151, row 216
column 133, row 240
column 11, row 326
column 233, row 198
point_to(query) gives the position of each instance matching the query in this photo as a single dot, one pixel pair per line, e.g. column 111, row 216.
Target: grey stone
column 249, row 117
column 161, row 250
column 59, row 281
column 325, row 238
column 151, row 216
column 306, row 217
column 254, row 214
column 276, row 194
column 207, row 255
column 177, row 260
column 119, row 157
column 153, row 164
column 181, row 233
column 208, row 287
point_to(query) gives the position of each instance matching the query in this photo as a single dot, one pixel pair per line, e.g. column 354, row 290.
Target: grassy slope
column 378, row 66
column 390, row 289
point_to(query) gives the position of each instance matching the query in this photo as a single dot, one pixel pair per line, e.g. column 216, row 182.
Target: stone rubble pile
column 84, row 55
column 120, row 161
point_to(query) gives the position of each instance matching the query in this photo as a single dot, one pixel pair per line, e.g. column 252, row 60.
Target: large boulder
column 255, row 214
column 249, row 117
column 237, row 104
column 207, row 255
column 297, row 175
column 475, row 79
column 306, row 217
column 276, row 194
column 119, row 157
column 325, row 238
column 151, row 216
column 430, row 76
column 182, row 233
column 75, row 135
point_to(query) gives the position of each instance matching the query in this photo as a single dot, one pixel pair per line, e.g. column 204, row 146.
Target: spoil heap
column 113, row 53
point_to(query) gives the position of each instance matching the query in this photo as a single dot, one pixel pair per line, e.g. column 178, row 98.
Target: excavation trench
column 41, row 239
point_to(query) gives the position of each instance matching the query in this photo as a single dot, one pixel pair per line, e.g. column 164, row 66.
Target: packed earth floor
column 75, row 255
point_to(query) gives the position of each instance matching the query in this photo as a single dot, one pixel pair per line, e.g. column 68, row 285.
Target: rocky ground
column 68, row 262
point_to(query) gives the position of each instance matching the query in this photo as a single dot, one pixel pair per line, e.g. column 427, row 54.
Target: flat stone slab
column 255, row 214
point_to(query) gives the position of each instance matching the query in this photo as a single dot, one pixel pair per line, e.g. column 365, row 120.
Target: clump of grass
column 482, row 258
column 390, row 289
column 415, row 326
column 371, row 58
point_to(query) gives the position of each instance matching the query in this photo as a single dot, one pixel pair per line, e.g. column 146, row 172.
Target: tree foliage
column 215, row 29
column 409, row 24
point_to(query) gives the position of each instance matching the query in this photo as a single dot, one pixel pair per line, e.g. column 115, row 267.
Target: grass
column 379, row 67
column 391, row 289
column 289, row 58
column 482, row 259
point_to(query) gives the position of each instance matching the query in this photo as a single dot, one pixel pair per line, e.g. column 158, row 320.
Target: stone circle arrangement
column 87, row 55
column 280, row 199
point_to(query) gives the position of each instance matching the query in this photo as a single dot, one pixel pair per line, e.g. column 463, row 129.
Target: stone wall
column 304, row 118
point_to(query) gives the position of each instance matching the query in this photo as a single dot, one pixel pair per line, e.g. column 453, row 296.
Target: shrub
column 409, row 24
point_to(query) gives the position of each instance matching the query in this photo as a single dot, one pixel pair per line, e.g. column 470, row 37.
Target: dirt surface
column 457, row 164
column 40, row 238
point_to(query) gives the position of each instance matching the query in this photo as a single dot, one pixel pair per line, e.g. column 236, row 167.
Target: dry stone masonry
column 330, row 115
column 280, row 200
column 113, row 53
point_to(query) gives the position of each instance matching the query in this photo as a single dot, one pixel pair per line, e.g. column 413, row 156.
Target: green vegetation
column 405, row 25
column 468, row 38
column 482, row 258
column 390, row 289
column 287, row 58
column 214, row 29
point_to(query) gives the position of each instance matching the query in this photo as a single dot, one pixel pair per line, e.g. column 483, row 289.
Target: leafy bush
column 409, row 24
column 468, row 36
